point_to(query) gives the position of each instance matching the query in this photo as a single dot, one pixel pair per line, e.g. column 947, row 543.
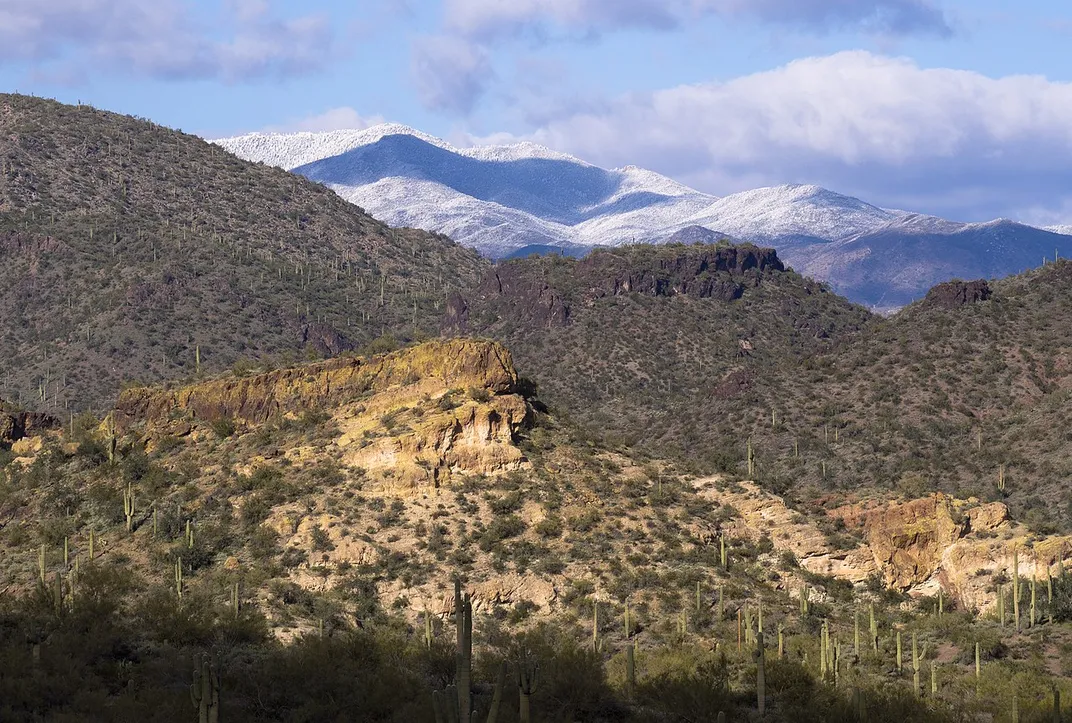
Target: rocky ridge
column 409, row 419
column 918, row 546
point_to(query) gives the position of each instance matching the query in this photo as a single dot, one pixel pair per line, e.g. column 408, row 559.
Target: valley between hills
column 266, row 455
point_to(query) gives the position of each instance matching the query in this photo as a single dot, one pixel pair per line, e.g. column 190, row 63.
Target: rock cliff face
column 960, row 547
column 256, row 399
column 412, row 419
column 720, row 272
column 16, row 424
column 954, row 294
column 543, row 292
column 918, row 546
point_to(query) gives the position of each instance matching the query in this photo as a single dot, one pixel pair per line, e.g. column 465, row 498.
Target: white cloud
column 452, row 69
column 491, row 18
column 451, row 73
column 335, row 119
column 163, row 38
column 951, row 141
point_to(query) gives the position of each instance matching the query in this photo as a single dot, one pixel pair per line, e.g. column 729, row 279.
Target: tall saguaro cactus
column 873, row 627
column 205, row 692
column 917, row 662
column 497, row 694
column 761, row 674
column 1016, row 589
column 463, row 612
column 129, row 509
column 528, row 679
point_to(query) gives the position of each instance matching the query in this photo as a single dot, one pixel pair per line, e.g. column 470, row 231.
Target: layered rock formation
column 256, row 399
column 918, row 546
column 411, row 419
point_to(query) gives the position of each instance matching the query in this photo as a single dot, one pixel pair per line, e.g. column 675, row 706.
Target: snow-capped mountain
column 506, row 200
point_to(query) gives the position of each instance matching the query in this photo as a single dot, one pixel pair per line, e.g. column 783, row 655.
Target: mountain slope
column 643, row 347
column 887, row 268
column 650, row 346
column 302, row 532
column 136, row 252
column 502, row 199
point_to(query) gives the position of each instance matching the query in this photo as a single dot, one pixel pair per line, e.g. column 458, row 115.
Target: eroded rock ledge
column 412, row 419
column 456, row 363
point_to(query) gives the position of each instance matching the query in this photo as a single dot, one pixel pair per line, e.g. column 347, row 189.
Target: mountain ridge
column 502, row 199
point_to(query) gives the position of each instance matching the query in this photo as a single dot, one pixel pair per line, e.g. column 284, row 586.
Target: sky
column 962, row 108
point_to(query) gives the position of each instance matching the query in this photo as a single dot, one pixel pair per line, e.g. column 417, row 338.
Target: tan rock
column 908, row 539
column 27, row 446
column 987, row 517
column 454, row 363
column 513, row 588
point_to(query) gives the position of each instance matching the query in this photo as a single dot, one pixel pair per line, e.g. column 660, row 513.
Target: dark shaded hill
column 962, row 389
column 647, row 347
column 127, row 250
column 650, row 346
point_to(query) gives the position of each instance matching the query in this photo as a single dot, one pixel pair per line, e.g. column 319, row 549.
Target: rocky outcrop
column 476, row 437
column 541, row 292
column 17, row 424
column 458, row 363
column 762, row 513
column 411, row 420
column 918, row 546
column 703, row 272
column 955, row 294
column 908, row 540
column 512, row 290
column 940, row 542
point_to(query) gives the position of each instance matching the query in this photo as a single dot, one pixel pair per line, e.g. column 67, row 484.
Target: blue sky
column 956, row 107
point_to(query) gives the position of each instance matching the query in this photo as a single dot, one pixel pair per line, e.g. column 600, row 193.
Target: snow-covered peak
column 524, row 150
column 765, row 214
column 634, row 177
column 293, row 150
column 1065, row 229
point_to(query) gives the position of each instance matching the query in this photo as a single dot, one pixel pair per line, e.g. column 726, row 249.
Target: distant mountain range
column 512, row 200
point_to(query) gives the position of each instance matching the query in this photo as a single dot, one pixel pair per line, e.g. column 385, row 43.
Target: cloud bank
column 950, row 141
column 452, row 69
column 163, row 39
column 486, row 19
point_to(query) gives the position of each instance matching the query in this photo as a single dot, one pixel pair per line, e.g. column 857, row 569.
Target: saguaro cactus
column 129, row 506
column 205, row 692
column 1016, row 589
column 858, row 705
column 1001, row 605
column 917, row 662
column 856, row 633
column 978, row 667
column 528, row 678
column 761, row 674
column 873, row 627
column 1032, row 619
column 463, row 612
